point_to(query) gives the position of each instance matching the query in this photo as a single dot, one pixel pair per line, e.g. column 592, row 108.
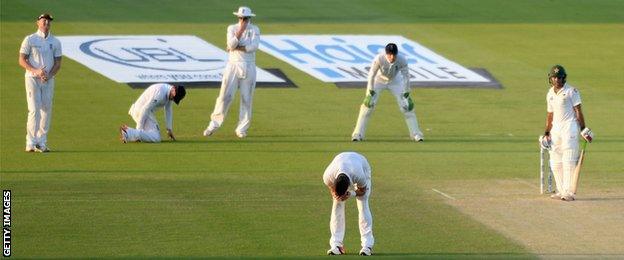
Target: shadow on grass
column 601, row 199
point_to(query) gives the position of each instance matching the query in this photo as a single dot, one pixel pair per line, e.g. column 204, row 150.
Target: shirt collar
column 565, row 87
column 40, row 33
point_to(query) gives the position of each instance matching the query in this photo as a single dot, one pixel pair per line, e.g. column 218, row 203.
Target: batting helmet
column 557, row 71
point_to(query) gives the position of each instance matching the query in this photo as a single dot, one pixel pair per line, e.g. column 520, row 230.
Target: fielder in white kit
column 349, row 174
column 40, row 55
column 156, row 96
column 563, row 123
column 388, row 71
column 243, row 39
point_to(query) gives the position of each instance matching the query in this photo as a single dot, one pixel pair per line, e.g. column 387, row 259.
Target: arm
column 575, row 98
column 255, row 41
column 23, row 61
column 371, row 75
column 579, row 116
column 406, row 76
column 169, row 120
column 232, row 40
column 24, row 53
column 549, row 119
column 57, row 58
column 56, row 67
column 242, row 26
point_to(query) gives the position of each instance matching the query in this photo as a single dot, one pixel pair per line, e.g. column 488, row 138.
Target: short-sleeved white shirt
column 562, row 104
column 41, row 51
column 353, row 164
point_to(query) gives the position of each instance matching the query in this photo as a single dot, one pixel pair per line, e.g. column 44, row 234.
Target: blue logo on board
column 158, row 55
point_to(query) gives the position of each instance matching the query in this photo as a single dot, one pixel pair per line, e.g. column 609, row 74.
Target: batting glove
column 587, row 134
column 545, row 143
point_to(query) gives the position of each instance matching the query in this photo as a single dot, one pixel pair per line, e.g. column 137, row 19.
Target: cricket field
column 471, row 190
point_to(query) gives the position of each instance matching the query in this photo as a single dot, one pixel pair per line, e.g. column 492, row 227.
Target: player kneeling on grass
column 349, row 174
column 388, row 71
column 153, row 98
column 564, row 122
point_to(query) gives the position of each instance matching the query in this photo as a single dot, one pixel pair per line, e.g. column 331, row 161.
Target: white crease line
column 444, row 194
column 527, row 183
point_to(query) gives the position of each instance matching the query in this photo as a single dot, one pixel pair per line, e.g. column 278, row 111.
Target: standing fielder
column 347, row 175
column 240, row 72
column 142, row 111
column 389, row 71
column 563, row 121
column 40, row 55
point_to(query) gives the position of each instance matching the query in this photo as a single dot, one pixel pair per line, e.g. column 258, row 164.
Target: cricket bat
column 577, row 171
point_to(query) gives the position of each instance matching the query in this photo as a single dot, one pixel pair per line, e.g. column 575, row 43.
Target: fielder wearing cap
column 243, row 39
column 349, row 174
column 389, row 70
column 40, row 55
column 142, row 111
column 564, row 121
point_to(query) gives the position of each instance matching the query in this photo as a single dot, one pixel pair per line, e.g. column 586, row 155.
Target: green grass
column 263, row 196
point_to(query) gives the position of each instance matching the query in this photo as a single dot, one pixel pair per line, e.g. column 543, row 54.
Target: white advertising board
column 152, row 58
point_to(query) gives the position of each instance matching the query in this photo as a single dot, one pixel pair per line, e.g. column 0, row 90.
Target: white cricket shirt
column 383, row 71
column 153, row 98
column 250, row 39
column 353, row 165
column 562, row 104
column 41, row 51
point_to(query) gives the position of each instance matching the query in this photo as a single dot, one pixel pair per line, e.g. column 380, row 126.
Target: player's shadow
column 601, row 199
column 456, row 255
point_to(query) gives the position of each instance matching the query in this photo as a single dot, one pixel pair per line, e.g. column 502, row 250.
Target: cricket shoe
column 366, row 251
column 357, row 138
column 241, row 135
column 556, row 196
column 337, row 250
column 208, row 131
column 568, row 197
column 29, row 149
column 123, row 135
column 418, row 138
column 41, row 149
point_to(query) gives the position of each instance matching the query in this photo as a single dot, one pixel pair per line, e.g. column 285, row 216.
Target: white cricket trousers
column 564, row 154
column 397, row 89
column 39, row 98
column 150, row 133
column 237, row 75
column 337, row 221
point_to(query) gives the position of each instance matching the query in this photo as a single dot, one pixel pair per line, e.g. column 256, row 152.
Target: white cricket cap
column 244, row 11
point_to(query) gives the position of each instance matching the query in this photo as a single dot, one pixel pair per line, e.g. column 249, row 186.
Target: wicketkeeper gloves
column 368, row 100
column 410, row 102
